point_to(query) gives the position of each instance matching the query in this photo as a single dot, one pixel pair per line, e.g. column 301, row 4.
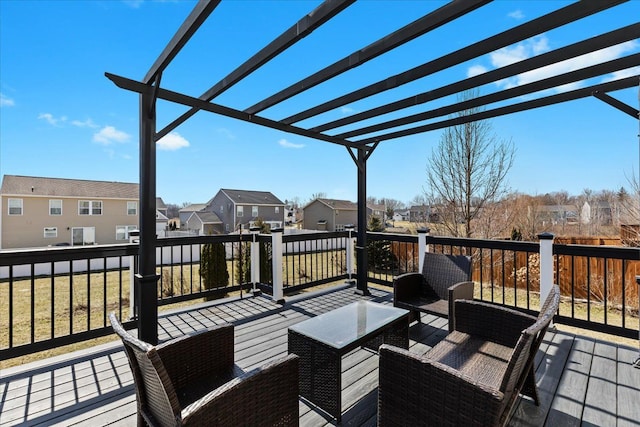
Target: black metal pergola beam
column 429, row 22
column 198, row 15
column 514, row 108
column 199, row 104
column 537, row 26
column 602, row 41
column 617, row 104
column 292, row 35
column 517, row 91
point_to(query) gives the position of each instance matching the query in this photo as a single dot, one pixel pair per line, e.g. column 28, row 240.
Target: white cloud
column 53, row 121
column 286, row 144
column 109, row 134
column 86, row 124
column 516, row 14
column 622, row 74
column 226, row 132
column 347, row 110
column 134, row 4
column 474, row 70
column 171, row 142
column 6, row 101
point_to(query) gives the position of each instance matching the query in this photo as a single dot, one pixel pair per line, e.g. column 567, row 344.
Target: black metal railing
column 58, row 296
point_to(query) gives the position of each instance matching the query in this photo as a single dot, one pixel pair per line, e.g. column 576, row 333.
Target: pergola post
column 361, row 234
column 146, row 282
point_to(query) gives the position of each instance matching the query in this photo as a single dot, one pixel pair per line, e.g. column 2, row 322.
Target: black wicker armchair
column 444, row 279
column 192, row 380
column 472, row 377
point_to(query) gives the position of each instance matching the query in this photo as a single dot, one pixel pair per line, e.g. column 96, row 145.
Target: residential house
column 329, row 214
column 596, row 212
column 419, row 213
column 205, row 223
column 403, row 215
column 242, row 208
column 39, row 211
column 557, row 214
column 185, row 213
column 379, row 211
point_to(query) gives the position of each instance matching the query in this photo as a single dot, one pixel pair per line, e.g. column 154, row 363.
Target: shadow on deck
column 581, row 380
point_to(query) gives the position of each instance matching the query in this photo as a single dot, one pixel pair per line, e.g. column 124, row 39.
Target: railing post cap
column 349, row 227
column 254, row 229
column 277, row 230
column 134, row 233
column 546, row 236
column 424, row 230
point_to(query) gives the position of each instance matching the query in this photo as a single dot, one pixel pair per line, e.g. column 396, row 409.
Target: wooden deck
column 582, row 381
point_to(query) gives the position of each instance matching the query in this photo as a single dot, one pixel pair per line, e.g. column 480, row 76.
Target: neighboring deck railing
column 58, row 296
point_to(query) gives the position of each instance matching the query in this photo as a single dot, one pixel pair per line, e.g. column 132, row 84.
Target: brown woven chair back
column 441, row 271
column 155, row 393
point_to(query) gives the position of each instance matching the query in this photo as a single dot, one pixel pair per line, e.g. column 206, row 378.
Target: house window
column 15, row 206
column 226, row 228
column 55, row 207
column 89, row 207
column 240, row 211
column 83, row 236
column 132, row 208
column 277, row 209
column 122, row 231
column 221, row 209
column 254, row 211
column 339, row 227
column 50, row 232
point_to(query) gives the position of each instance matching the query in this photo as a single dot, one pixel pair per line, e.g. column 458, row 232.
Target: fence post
column 422, row 246
column 134, row 237
column 636, row 363
column 255, row 259
column 276, row 256
column 546, row 265
column 349, row 249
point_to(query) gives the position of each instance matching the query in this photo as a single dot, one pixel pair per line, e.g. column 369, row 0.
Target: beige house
column 40, row 212
column 330, row 214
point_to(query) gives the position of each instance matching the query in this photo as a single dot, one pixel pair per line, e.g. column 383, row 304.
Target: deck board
column 581, row 380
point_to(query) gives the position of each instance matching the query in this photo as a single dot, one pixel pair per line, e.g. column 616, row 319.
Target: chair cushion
column 484, row 361
column 436, row 306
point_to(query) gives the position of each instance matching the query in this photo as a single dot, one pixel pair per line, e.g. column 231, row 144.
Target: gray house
column 205, row 223
column 330, row 214
column 185, row 213
column 241, row 208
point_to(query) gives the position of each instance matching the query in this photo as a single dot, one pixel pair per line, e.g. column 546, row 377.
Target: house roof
column 194, row 207
column 344, row 205
column 246, row 197
column 207, row 217
column 63, row 187
column 160, row 203
column 377, row 207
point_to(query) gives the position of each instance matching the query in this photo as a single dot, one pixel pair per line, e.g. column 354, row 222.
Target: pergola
column 359, row 139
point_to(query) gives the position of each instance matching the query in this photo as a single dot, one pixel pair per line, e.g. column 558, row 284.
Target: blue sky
column 61, row 117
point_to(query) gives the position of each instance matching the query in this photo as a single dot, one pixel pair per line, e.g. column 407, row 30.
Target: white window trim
column 239, row 211
column 255, row 211
column 50, row 207
column 126, row 229
column 9, row 207
column 91, row 207
column 135, row 208
column 52, row 230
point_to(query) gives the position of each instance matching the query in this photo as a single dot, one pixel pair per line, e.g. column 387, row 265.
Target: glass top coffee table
column 321, row 341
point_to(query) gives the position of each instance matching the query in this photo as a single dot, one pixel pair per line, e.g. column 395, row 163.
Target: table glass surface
column 343, row 326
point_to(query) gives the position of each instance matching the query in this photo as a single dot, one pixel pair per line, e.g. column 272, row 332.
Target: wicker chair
column 444, row 279
column 192, row 380
column 472, row 377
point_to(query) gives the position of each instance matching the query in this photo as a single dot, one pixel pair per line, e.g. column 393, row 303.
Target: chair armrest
column 194, row 356
column 414, row 388
column 496, row 323
column 407, row 286
column 461, row 290
column 263, row 396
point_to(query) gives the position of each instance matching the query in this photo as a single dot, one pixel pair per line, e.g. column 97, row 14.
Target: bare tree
column 467, row 170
